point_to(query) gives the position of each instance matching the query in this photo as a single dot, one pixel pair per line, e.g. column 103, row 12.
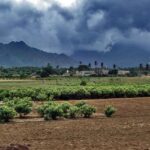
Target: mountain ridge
column 20, row 54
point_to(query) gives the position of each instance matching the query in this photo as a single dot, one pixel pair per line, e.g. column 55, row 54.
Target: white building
column 66, row 74
column 123, row 72
column 102, row 71
column 85, row 73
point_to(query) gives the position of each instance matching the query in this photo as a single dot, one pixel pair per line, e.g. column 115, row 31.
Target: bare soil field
column 128, row 129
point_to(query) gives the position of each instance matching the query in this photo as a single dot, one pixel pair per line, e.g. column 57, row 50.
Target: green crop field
column 69, row 88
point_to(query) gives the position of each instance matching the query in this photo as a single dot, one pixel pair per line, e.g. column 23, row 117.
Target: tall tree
column 96, row 64
column 48, row 70
column 83, row 68
column 114, row 66
column 141, row 66
column 80, row 62
column 89, row 65
column 57, row 67
column 102, row 65
column 147, row 67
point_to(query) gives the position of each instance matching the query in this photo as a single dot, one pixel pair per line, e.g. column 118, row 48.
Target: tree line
column 42, row 72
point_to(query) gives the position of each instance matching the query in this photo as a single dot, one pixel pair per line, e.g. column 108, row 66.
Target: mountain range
column 20, row 54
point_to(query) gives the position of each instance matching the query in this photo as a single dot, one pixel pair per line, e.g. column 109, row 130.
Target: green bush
column 23, row 106
column 87, row 111
column 65, row 108
column 41, row 97
column 6, row 113
column 73, row 112
column 95, row 93
column 66, row 94
column 110, row 110
column 41, row 109
column 80, row 104
column 83, row 83
column 52, row 112
column 10, row 102
column 107, row 93
column 82, row 93
column 4, row 94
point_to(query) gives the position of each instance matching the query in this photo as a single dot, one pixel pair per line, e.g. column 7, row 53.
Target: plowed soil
column 128, row 129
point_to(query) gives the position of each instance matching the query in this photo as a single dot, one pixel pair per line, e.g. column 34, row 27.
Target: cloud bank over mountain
column 83, row 25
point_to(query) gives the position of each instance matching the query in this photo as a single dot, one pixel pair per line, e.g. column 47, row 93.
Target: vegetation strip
column 77, row 92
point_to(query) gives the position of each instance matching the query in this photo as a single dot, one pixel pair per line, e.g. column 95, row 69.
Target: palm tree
column 80, row 62
column 102, row 65
column 57, row 67
column 141, row 66
column 147, row 67
column 95, row 63
column 89, row 65
column 114, row 66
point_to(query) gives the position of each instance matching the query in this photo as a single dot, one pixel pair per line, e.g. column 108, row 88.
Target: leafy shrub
column 11, row 102
column 143, row 92
column 95, row 93
column 66, row 94
column 107, row 93
column 82, row 93
column 65, row 108
column 131, row 92
column 52, row 112
column 41, row 97
column 83, row 83
column 87, row 111
column 4, row 94
column 119, row 92
column 23, row 106
column 109, row 111
column 80, row 104
column 6, row 113
column 41, row 109
column 73, row 112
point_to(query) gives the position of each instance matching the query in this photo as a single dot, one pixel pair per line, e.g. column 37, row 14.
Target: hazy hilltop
column 20, row 54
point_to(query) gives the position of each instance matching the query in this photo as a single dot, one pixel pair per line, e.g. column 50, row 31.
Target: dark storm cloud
column 5, row 7
column 122, row 14
column 91, row 25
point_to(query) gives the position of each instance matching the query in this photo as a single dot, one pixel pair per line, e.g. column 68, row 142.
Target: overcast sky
column 63, row 26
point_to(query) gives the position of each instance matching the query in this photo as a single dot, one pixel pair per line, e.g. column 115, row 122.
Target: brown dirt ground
column 128, row 129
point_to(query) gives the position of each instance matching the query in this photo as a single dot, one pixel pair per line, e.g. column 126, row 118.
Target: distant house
column 102, row 71
column 85, row 73
column 66, row 74
column 123, row 72
column 34, row 76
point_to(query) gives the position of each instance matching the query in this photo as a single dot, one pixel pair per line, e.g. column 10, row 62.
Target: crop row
column 49, row 111
column 77, row 92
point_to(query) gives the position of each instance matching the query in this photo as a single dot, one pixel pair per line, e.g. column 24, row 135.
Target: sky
column 65, row 26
